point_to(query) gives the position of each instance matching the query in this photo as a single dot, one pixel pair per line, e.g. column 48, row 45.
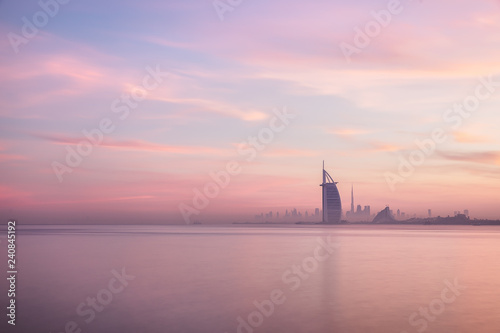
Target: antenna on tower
column 324, row 175
column 352, row 198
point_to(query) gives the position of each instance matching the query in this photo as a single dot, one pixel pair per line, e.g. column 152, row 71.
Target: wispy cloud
column 466, row 137
column 284, row 152
column 13, row 157
column 139, row 145
column 214, row 106
column 484, row 157
column 384, row 147
column 348, row 132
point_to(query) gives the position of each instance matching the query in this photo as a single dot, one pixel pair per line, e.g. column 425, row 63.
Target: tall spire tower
column 352, row 198
column 332, row 206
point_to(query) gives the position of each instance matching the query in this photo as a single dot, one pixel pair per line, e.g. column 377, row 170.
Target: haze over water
column 202, row 278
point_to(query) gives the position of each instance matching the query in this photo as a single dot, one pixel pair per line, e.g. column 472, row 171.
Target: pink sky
column 224, row 80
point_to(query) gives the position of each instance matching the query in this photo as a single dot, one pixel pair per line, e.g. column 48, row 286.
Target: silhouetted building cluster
column 290, row 215
column 332, row 211
column 360, row 214
column 400, row 215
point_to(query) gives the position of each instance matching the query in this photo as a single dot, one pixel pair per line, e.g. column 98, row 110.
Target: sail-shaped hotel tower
column 332, row 206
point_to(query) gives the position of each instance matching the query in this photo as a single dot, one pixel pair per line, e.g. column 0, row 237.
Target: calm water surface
column 214, row 279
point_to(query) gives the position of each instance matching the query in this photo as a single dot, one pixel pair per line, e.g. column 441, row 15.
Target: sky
column 214, row 111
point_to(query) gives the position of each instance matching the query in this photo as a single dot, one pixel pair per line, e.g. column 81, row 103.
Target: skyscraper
column 332, row 206
column 352, row 199
column 360, row 214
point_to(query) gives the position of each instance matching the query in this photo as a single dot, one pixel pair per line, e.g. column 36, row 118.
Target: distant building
column 384, row 216
column 352, row 199
column 332, row 205
column 361, row 214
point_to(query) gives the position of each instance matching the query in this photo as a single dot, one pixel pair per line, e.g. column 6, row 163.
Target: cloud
column 466, row 137
column 290, row 152
column 348, row 132
column 36, row 80
column 355, row 136
column 384, row 147
column 165, row 42
column 484, row 157
column 12, row 157
column 139, row 145
column 214, row 106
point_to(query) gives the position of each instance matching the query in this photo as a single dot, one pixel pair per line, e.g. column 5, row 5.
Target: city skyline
column 358, row 214
column 293, row 215
column 134, row 114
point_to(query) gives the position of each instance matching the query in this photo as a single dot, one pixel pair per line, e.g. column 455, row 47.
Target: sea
column 253, row 278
